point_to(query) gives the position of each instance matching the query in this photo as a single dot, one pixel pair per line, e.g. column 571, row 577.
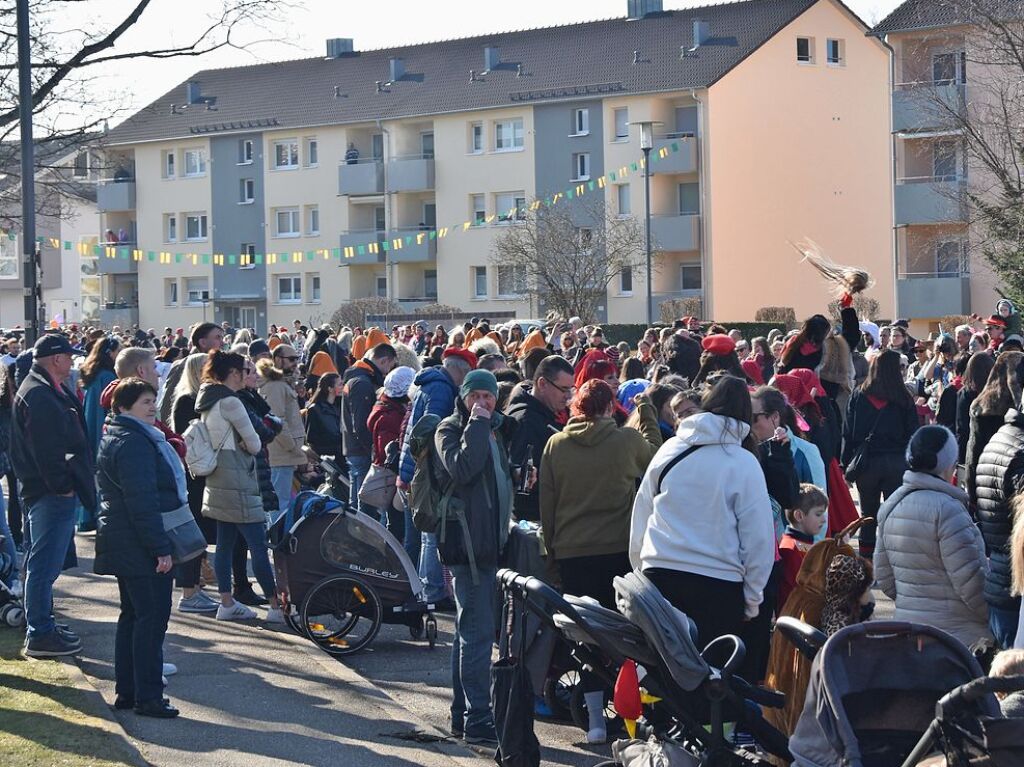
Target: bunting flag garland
column 125, row 252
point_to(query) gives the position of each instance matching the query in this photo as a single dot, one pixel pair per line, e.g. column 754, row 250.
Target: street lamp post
column 646, row 144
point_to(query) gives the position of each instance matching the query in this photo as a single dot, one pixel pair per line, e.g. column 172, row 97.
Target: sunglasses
column 289, row 359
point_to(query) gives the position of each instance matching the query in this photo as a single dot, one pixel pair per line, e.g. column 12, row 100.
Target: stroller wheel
column 341, row 614
column 431, row 625
column 13, row 615
column 558, row 694
column 416, row 628
column 578, row 710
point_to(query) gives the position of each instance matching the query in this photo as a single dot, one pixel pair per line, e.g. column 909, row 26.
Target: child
column 1009, row 663
column 805, row 522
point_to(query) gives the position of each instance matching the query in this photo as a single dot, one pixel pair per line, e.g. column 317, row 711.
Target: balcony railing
column 682, row 161
column 676, row 232
column 362, row 240
column 930, row 200
column 411, row 173
column 933, row 294
column 922, row 106
column 416, row 246
column 362, row 177
column 115, row 195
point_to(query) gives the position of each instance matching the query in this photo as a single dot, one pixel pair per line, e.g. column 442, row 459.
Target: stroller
column 875, row 688
column 333, row 473
column 341, row 574
column 12, row 613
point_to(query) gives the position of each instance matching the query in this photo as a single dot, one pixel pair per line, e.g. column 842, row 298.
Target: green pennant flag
column 590, row 186
column 123, row 253
column 612, row 176
column 40, row 240
column 361, row 250
column 96, row 250
column 67, row 244
column 12, row 236
column 206, row 258
column 151, row 255
column 257, row 258
column 675, row 146
column 336, row 252
column 433, row 234
column 231, row 258
column 633, row 166
column 385, row 246
column 177, row 258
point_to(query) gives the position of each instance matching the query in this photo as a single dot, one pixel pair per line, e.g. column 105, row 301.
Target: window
column 834, row 52
column 245, row 151
column 378, row 219
column 585, row 238
column 382, row 286
column 197, row 289
column 508, row 135
column 171, row 227
column 510, row 206
column 168, row 163
column 286, row 222
column 313, row 220
column 478, row 213
column 81, row 167
column 948, row 259
column 476, row 138
column 944, row 164
column 625, row 207
column 580, row 122
column 195, row 163
column 621, row 117
column 289, row 288
column 689, row 199
column 195, row 226
column 511, row 281
column 246, row 191
column 430, row 283
column 313, row 291
column 581, row 166
column 427, row 145
column 286, row 154
column 480, row 282
column 805, row 50
column 949, row 67
column 690, row 277
column 312, row 153
column 626, row 281
column 247, row 249
column 171, row 291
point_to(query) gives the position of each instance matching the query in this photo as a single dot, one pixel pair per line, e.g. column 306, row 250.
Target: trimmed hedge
column 633, row 333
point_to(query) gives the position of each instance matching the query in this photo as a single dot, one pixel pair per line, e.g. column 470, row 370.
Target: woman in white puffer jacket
column 930, row 557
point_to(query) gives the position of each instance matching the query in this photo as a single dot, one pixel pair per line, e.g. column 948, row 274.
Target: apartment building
column 274, row 192
column 940, row 270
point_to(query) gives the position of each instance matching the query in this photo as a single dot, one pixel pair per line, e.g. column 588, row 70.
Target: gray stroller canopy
column 667, row 629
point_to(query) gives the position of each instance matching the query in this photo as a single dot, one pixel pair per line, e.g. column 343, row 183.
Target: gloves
column 846, row 301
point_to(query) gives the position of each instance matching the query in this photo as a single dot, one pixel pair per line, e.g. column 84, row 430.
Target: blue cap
column 50, row 344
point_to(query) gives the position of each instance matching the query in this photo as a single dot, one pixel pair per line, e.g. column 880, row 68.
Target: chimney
column 193, row 94
column 397, row 70
column 339, row 46
column 492, row 57
column 638, row 9
column 701, row 33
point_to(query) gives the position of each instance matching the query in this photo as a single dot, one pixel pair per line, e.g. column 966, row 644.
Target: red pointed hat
column 996, row 321
column 465, row 354
column 718, row 344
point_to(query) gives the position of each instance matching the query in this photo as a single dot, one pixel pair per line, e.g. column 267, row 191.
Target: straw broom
column 849, row 280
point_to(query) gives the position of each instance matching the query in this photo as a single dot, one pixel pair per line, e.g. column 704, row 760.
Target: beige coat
column 232, row 492
column 286, row 449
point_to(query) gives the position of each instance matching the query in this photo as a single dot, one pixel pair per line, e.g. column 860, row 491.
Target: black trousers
column 138, row 646
column 882, row 476
column 14, row 509
column 716, row 606
column 757, row 632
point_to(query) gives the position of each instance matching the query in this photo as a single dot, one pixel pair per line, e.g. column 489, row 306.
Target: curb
column 103, row 712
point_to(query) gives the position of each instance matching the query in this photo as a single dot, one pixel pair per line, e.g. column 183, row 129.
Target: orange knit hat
column 322, row 364
column 358, row 347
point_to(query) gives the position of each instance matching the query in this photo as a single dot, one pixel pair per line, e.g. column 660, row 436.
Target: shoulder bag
column 860, row 456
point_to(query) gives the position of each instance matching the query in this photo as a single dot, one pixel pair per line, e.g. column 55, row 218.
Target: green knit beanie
column 478, row 380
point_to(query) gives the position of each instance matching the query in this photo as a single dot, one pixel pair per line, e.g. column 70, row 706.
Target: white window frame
column 622, row 191
column 478, row 213
column 313, row 288
column 518, row 278
column 312, row 152
column 477, row 273
column 246, row 152
column 291, row 146
column 193, row 153
column 477, row 139
column 170, row 227
column 170, row 163
column 840, row 58
column 312, row 217
column 623, row 291
column 202, row 221
column 294, row 284
column 198, row 300
column 616, row 138
column 809, row 61
column 247, row 191
column 171, row 291
column 504, row 202
column 515, row 140
column 581, row 166
column 247, row 249
column 294, row 219
column 581, row 121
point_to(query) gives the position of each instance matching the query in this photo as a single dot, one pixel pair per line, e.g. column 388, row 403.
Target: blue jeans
column 358, row 466
column 281, row 478
column 52, row 522
column 7, row 544
column 139, row 643
column 255, row 538
column 430, row 569
column 1003, row 624
column 471, row 650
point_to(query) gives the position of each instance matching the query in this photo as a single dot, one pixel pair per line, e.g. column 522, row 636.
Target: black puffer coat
column 536, row 424
column 258, row 409
column 998, row 477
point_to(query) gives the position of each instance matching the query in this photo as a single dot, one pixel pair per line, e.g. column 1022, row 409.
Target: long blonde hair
column 1017, row 546
column 191, row 375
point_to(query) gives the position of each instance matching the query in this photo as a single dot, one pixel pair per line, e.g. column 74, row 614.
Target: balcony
column 927, row 106
column 933, row 295
column 115, row 196
column 118, row 264
column 121, row 314
column 676, row 232
column 362, row 238
column 417, row 246
column 361, row 178
column 411, row 174
column 682, row 161
column 929, row 201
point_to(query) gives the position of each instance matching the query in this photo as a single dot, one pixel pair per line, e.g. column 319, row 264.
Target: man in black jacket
column 535, row 408
column 53, row 460
column 362, row 381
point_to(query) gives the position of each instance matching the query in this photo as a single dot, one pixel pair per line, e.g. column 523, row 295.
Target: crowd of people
column 719, row 466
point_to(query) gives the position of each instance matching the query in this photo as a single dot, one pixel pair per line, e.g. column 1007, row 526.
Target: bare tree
column 546, row 255
column 70, row 103
column 354, row 312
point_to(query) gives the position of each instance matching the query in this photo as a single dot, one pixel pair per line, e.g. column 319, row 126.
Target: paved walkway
column 248, row 695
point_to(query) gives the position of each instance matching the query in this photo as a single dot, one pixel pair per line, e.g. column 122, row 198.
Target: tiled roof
column 932, row 14
column 537, row 65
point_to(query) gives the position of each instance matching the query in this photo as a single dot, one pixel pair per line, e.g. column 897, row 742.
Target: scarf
column 168, row 453
column 504, row 485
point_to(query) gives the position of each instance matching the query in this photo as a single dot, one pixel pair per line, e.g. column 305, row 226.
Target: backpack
column 200, row 454
column 431, row 500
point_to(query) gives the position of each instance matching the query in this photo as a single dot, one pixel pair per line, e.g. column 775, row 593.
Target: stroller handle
column 804, row 637
column 954, row 701
column 736, row 657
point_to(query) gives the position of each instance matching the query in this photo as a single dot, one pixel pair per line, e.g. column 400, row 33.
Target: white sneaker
column 170, row 669
column 235, row 612
column 16, row 589
column 275, row 615
column 163, row 679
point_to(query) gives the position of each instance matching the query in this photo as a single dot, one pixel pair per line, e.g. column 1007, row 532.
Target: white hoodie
column 713, row 516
